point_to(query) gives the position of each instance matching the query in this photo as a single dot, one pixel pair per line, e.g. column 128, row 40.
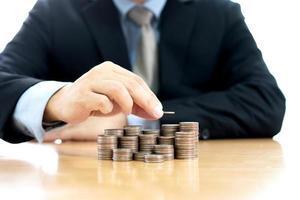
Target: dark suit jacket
column 211, row 70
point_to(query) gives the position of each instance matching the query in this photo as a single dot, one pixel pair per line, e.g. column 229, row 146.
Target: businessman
column 74, row 60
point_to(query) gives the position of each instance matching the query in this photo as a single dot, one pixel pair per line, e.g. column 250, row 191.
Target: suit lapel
column 102, row 18
column 176, row 25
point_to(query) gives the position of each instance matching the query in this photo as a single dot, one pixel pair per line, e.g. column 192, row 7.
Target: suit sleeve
column 250, row 103
column 23, row 63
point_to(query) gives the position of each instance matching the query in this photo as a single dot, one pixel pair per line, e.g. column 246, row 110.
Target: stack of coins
column 151, row 131
column 185, row 145
column 105, row 145
column 114, row 132
column 191, row 127
column 169, row 129
column 122, row 154
column 132, row 130
column 147, row 142
column 173, row 140
column 152, row 158
column 166, row 150
column 140, row 156
column 129, row 142
column 166, row 140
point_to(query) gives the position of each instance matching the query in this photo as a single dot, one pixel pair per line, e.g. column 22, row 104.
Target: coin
column 151, row 131
column 132, row 130
column 114, row 132
column 169, row 113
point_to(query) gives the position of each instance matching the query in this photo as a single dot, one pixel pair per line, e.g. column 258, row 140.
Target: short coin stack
column 166, row 150
column 122, row 154
column 105, row 146
column 140, row 156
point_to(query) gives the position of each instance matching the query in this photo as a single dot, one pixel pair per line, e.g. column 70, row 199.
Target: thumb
column 57, row 133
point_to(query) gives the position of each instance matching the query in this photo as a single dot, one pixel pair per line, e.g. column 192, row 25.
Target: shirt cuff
column 29, row 111
column 147, row 124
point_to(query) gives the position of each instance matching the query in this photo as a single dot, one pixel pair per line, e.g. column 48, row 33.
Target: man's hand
column 87, row 130
column 104, row 90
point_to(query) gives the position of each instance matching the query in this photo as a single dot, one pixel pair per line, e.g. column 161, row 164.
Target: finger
column 116, row 92
column 138, row 111
column 138, row 89
column 143, row 98
column 116, row 110
column 128, row 74
column 99, row 103
column 57, row 133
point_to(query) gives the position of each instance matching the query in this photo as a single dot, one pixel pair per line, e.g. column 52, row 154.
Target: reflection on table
column 225, row 169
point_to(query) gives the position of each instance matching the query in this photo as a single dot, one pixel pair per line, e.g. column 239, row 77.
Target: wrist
column 51, row 113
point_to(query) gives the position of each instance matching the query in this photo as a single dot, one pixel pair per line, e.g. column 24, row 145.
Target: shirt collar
column 155, row 6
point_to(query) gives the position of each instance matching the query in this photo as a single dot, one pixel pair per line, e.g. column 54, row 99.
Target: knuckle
column 103, row 102
column 116, row 88
column 107, row 65
column 139, row 80
column 105, row 105
column 96, row 68
column 133, row 85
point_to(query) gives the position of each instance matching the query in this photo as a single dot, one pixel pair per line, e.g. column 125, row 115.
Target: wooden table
column 226, row 169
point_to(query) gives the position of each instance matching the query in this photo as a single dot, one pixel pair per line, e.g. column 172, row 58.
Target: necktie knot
column 141, row 16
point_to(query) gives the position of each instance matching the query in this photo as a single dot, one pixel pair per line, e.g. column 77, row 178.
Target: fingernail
column 161, row 106
column 158, row 112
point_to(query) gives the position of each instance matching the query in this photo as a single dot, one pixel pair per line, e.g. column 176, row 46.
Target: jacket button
column 205, row 134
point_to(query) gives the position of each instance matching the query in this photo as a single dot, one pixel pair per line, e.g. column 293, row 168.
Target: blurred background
column 275, row 25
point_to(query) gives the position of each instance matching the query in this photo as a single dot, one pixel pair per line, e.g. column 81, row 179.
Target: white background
column 275, row 25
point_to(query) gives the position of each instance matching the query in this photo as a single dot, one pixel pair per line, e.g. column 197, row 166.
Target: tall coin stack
column 129, row 142
column 105, row 146
column 130, row 138
column 147, row 142
column 166, row 150
column 185, row 145
column 193, row 127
